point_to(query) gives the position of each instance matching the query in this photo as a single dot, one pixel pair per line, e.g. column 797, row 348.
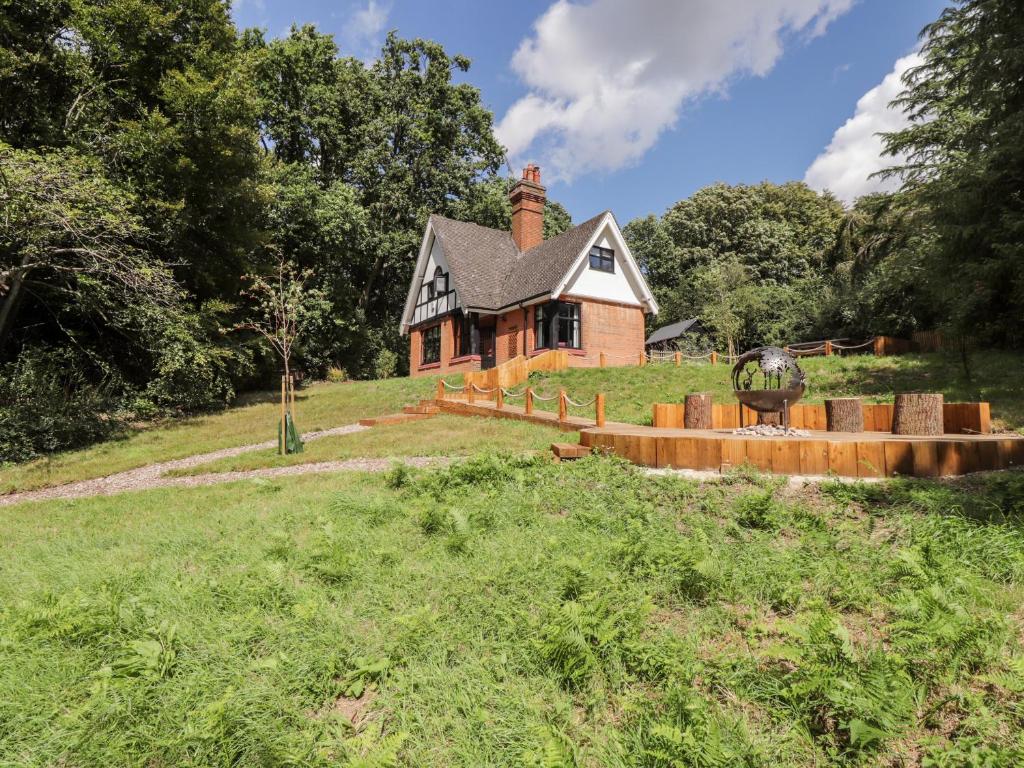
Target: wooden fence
column 514, row 371
column 958, row 418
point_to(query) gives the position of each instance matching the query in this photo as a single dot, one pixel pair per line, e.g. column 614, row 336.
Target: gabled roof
column 671, row 331
column 491, row 274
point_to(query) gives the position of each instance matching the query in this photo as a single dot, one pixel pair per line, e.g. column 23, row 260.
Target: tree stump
column 844, row 414
column 771, row 418
column 697, row 411
column 917, row 414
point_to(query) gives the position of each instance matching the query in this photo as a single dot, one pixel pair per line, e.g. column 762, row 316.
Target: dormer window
column 602, row 259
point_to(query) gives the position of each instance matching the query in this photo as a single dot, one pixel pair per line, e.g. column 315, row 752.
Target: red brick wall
column 510, row 335
column 447, row 353
column 615, row 329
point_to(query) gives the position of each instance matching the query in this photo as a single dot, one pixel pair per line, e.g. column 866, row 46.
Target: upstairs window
column 602, row 259
column 440, row 282
column 431, row 341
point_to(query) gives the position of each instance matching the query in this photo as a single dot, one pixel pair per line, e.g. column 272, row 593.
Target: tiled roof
column 488, row 270
column 671, row 331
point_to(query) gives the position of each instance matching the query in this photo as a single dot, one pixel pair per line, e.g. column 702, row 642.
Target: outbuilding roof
column 671, row 331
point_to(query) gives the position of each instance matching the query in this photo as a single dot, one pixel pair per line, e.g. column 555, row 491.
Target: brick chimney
column 528, row 198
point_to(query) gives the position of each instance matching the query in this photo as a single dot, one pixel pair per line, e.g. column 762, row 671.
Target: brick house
column 481, row 296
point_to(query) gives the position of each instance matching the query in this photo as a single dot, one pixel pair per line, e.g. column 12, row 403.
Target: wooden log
column 917, row 413
column 529, row 401
column 697, row 410
column 771, row 417
column 602, row 360
column 563, row 407
column 599, row 409
column 844, row 414
column 714, row 358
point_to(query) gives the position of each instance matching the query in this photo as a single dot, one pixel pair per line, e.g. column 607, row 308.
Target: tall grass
column 508, row 612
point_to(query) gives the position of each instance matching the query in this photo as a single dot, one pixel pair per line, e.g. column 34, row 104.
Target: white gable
column 625, row 285
column 421, row 304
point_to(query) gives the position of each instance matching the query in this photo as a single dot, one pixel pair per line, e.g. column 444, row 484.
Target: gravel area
column 152, row 475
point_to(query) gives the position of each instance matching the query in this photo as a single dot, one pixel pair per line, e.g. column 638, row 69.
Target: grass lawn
column 253, row 420
column 631, row 391
column 504, row 612
column 439, row 436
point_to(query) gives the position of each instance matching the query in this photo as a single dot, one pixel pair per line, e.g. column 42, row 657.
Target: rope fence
column 564, row 401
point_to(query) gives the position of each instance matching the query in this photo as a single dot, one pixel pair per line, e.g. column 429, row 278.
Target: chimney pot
column 528, row 198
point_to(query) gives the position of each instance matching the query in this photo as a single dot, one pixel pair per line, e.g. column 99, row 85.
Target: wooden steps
column 394, row 418
column 422, row 409
column 569, row 451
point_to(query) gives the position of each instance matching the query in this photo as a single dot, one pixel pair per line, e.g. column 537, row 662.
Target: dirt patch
column 355, row 711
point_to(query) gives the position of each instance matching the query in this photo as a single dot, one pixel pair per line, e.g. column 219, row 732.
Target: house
column 669, row 335
column 481, row 296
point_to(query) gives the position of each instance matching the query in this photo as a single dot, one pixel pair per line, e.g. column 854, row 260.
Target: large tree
column 964, row 163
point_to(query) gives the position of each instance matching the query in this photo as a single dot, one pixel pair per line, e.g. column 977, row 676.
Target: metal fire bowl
column 769, row 400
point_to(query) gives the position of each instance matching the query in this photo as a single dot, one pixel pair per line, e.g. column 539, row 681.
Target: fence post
column 599, row 408
column 470, row 391
column 529, row 400
column 563, row 408
column 714, row 357
column 643, row 359
column 828, row 348
column 679, row 358
column 499, row 400
column 879, row 346
column 602, row 359
column 440, row 389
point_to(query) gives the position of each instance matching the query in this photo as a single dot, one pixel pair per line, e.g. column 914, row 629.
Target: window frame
column 572, row 322
column 605, row 259
column 428, row 343
column 541, row 331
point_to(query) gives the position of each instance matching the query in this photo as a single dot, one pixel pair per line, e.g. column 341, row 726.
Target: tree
column 964, row 161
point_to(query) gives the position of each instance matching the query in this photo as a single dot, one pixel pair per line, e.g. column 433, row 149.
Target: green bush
column 47, row 405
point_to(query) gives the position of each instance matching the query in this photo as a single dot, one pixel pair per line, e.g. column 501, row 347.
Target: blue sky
column 635, row 105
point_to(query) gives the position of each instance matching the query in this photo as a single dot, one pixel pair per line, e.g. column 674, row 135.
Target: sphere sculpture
column 768, row 380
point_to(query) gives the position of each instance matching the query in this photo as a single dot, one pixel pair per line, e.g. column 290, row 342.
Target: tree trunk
column 697, row 411
column 774, row 418
column 844, row 414
column 10, row 303
column 917, row 414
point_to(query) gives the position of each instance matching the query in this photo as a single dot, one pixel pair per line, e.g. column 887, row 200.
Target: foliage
column 47, row 404
column 535, row 621
column 960, row 160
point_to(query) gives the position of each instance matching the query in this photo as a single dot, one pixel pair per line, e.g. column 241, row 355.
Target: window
column 541, row 330
column 557, row 324
column 602, row 259
column 569, row 325
column 431, row 341
column 440, row 282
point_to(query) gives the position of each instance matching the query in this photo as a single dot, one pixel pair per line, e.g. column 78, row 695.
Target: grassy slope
column 631, row 391
column 438, row 436
column 501, row 614
column 254, row 420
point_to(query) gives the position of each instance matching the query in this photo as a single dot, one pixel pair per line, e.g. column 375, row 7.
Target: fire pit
column 768, row 380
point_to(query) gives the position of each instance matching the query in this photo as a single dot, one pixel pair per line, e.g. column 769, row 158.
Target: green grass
column 630, row 392
column 439, row 436
column 253, row 420
column 508, row 612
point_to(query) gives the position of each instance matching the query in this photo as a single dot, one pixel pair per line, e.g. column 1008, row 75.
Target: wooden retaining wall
column 516, row 371
column 958, row 418
column 860, row 455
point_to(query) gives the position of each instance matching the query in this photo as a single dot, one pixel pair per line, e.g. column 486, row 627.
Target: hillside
column 631, row 391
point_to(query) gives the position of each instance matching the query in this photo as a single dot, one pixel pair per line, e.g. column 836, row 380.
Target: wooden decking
column 874, row 454
column 487, row 408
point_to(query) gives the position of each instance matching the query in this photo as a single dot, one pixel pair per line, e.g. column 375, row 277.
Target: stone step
column 568, row 451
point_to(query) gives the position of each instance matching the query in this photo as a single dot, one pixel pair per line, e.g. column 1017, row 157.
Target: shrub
column 336, row 375
column 47, row 405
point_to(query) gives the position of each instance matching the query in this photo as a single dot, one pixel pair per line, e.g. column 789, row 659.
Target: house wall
column 449, row 363
column 619, row 286
column 609, row 327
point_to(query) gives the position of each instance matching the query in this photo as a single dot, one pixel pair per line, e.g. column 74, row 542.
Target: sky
column 632, row 105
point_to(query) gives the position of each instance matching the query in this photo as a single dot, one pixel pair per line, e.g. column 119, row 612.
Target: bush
column 47, row 405
column 385, row 365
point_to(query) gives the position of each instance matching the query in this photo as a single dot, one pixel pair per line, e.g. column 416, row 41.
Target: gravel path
column 153, row 475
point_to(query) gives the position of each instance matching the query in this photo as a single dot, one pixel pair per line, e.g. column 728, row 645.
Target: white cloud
column 855, row 151
column 362, row 32
column 607, row 78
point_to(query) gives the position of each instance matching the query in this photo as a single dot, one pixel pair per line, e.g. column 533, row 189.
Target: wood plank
column 899, row 458
column 709, row 453
column 786, row 456
column 642, row 450
column 813, row 457
column 759, row 454
column 950, row 458
column 984, row 419
column 842, row 458
column 926, row 458
column 871, row 458
column 734, row 453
